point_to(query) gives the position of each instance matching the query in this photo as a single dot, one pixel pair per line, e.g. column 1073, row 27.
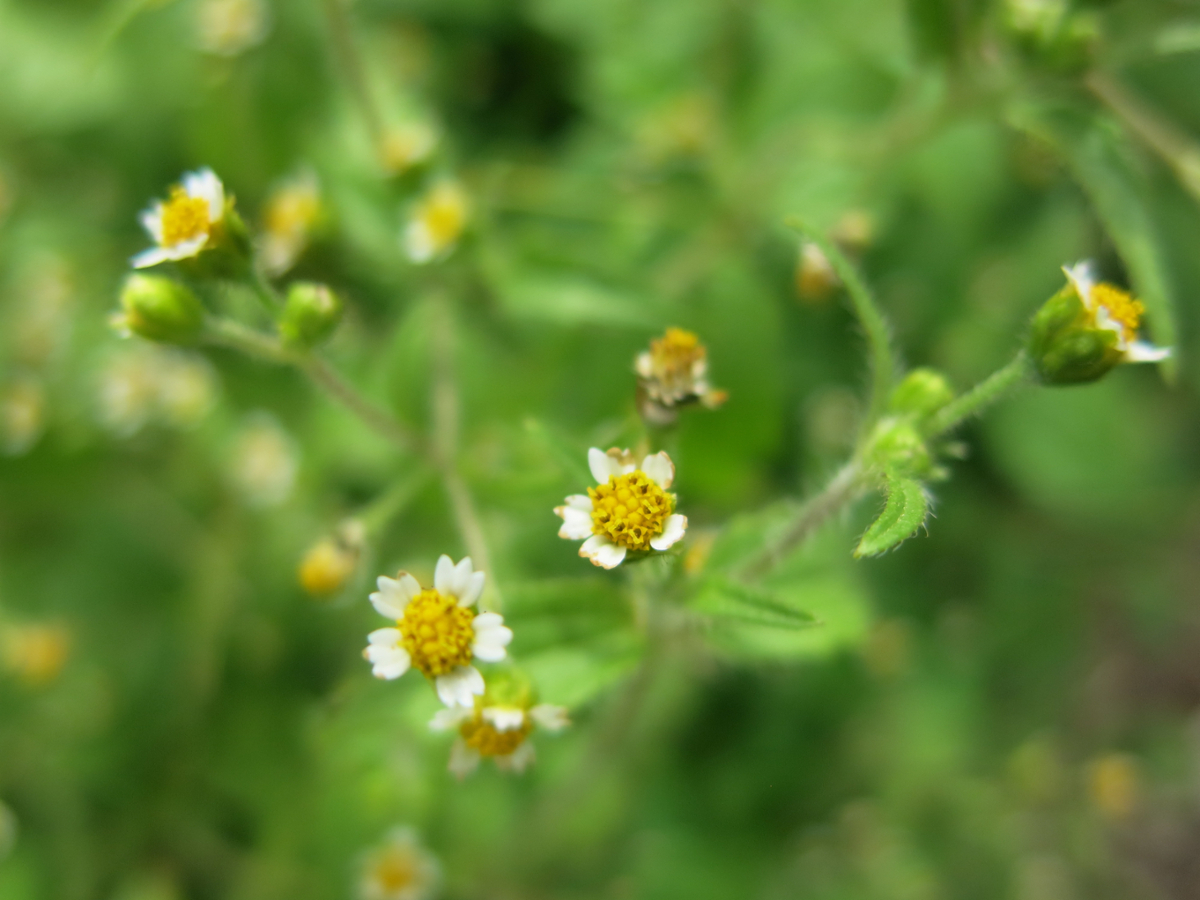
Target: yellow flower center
column 437, row 633
column 1121, row 307
column 183, row 218
column 444, row 214
column 675, row 353
column 325, row 568
column 395, row 870
column 630, row 510
column 292, row 211
column 483, row 736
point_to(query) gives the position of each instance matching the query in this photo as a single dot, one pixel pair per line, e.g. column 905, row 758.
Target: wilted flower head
column 230, row 27
column 292, row 211
column 499, row 725
column 35, row 653
column 436, row 223
column 22, row 415
column 399, row 868
column 186, row 222
column 330, row 562
column 674, row 373
column 629, row 511
column 407, row 145
column 264, row 461
column 436, row 631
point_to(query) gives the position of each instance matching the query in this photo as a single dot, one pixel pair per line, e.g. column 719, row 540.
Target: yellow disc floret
column 437, row 633
column 184, row 217
column 675, row 354
column 482, row 736
column 1121, row 307
column 630, row 510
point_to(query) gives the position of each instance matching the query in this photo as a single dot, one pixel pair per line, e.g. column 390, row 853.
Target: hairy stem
column 983, row 395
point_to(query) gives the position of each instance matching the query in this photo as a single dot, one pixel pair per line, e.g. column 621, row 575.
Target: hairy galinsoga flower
column 629, row 511
column 292, row 211
column 264, row 461
column 187, row 222
column 35, row 653
column 142, row 382
column 407, row 145
column 674, row 373
column 330, row 562
column 436, row 223
column 399, row 868
column 230, row 27
column 437, row 632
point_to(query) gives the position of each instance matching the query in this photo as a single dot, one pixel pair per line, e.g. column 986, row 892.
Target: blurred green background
column 1006, row 707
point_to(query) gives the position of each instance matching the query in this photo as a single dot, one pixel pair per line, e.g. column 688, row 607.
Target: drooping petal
column 449, row 718
column 473, row 589
column 659, row 469
column 550, row 717
column 602, row 552
column 1140, row 351
column 673, row 530
column 517, row 761
column 504, row 718
column 460, row 686
column 443, row 575
column 463, row 759
column 577, row 524
column 148, row 258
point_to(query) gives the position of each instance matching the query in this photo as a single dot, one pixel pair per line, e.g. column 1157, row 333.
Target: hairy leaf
column 907, row 506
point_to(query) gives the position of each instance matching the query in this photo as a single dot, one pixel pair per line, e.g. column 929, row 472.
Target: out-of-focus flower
column 41, row 321
column 187, row 387
column 1113, row 785
column 22, row 415
column 815, row 277
column 1036, row 18
column 187, row 222
column 264, row 461
column 499, row 725
column 143, row 382
column 436, row 631
column 404, row 146
column 436, row 223
column 230, row 27
column 399, row 868
column 35, row 653
column 1086, row 329
column 330, row 562
column 292, row 212
column 8, row 830
column 629, row 511
column 854, row 231
column 674, row 373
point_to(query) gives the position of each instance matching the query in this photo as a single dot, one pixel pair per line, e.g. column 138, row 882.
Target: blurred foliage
column 1005, row 707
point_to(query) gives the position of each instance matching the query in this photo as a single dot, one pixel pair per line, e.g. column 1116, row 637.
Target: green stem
column 983, row 395
column 384, row 508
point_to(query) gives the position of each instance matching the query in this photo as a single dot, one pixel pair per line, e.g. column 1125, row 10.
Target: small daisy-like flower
column 499, row 731
column 437, row 632
column 230, row 27
column 674, row 373
column 1114, row 310
column 330, row 562
column 292, row 210
column 436, row 223
column 629, row 511
column 186, row 222
column 407, row 145
column 400, row 868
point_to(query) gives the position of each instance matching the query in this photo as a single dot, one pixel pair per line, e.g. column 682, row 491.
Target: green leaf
column 725, row 599
column 907, row 506
column 569, row 457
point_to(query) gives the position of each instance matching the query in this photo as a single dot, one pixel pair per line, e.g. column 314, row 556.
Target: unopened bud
column 922, row 392
column 897, row 445
column 310, row 315
column 160, row 309
column 1066, row 345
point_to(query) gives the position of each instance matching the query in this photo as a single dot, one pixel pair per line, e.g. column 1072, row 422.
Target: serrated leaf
column 721, row 598
column 905, row 511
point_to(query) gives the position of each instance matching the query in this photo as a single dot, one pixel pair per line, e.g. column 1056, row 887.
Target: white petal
column 449, row 719
column 673, row 530
column 517, row 761
column 473, row 590
column 504, row 718
column 644, row 365
column 385, row 637
column 394, row 594
column 151, row 220
column 602, row 552
column 659, row 469
column 577, row 524
column 491, row 637
column 206, row 185
column 463, row 759
column 462, row 578
column 579, row 501
column 1083, row 276
column 151, row 257
column 459, row 687
column 1140, row 351
column 550, row 717
column 602, row 465
column 418, row 242
column 388, row 659
column 444, row 575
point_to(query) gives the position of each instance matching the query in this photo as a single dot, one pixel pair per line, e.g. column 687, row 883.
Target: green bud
column 1065, row 344
column 922, row 392
column 897, row 445
column 310, row 315
column 160, row 309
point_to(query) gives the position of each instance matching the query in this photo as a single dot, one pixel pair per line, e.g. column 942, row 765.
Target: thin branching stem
column 983, row 395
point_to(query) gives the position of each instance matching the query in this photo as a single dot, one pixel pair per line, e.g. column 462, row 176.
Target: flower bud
column 330, row 562
column 310, row 315
column 160, row 309
column 922, row 393
column 897, row 445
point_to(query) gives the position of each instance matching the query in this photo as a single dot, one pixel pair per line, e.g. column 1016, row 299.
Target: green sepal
column 1066, row 346
column 905, row 511
column 922, row 392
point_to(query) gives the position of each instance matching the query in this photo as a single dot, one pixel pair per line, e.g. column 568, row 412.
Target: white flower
column 498, row 731
column 264, row 462
column 183, row 225
column 399, row 869
column 1114, row 310
column 629, row 510
column 292, row 211
column 229, row 27
column 436, row 223
column 437, row 632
